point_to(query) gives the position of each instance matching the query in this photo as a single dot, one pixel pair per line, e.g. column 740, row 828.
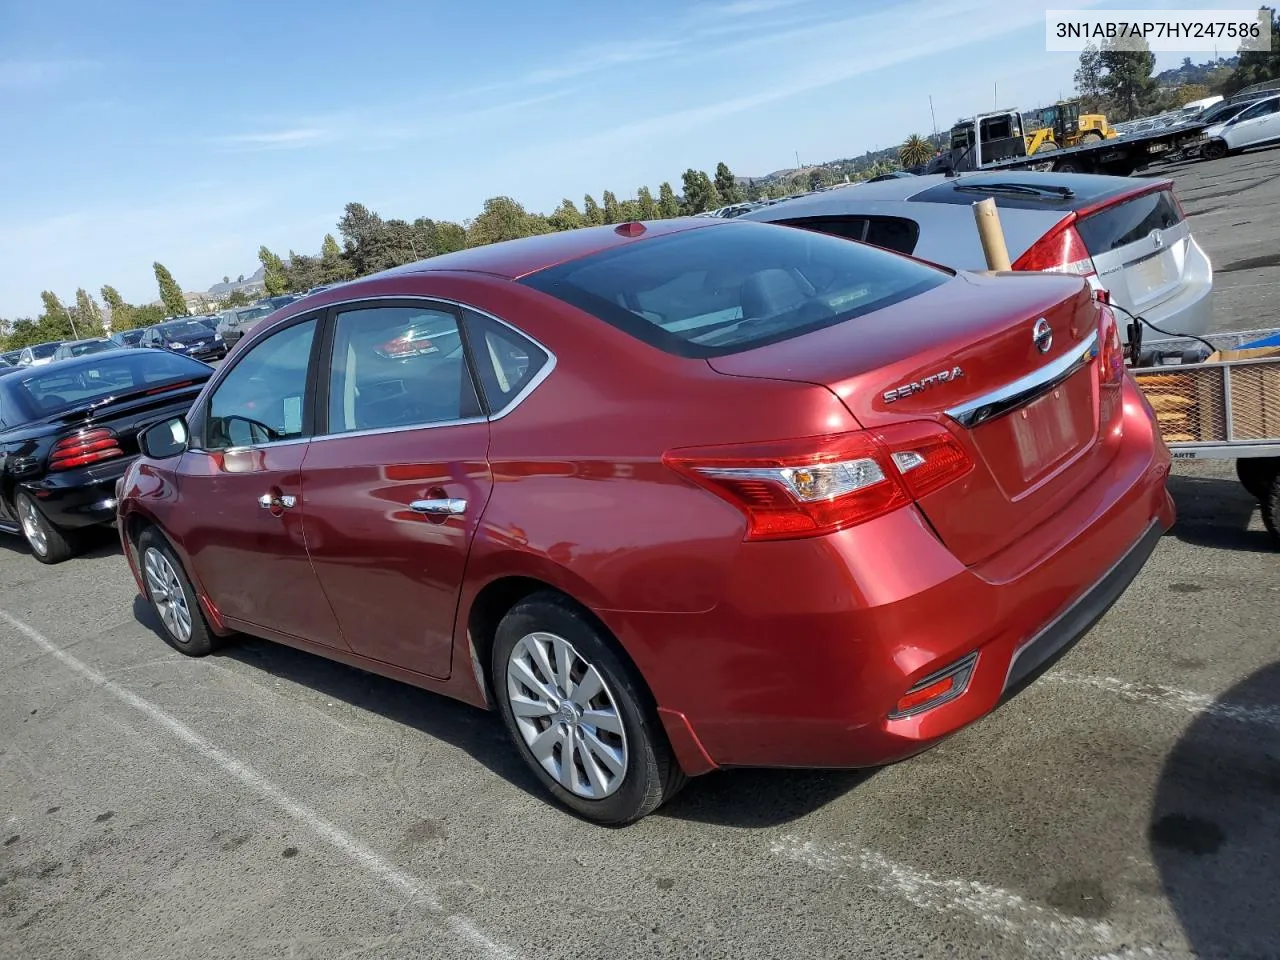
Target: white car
column 1126, row 234
column 38, row 355
column 1257, row 126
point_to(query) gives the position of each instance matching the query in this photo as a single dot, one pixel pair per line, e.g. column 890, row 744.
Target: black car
column 68, row 431
column 190, row 338
column 127, row 338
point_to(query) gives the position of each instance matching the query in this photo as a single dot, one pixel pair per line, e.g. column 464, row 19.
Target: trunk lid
column 128, row 414
column 1139, row 245
column 965, row 355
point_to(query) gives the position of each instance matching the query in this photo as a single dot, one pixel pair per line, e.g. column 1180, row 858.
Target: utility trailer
column 997, row 141
column 1221, row 405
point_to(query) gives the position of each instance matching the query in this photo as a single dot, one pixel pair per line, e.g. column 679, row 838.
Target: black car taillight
column 84, row 448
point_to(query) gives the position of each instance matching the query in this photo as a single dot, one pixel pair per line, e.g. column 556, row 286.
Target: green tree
column 1126, row 82
column 170, row 292
column 504, row 219
column 699, row 192
column 226, row 279
column 147, row 315
column 566, row 216
column 611, row 211
column 727, row 184
column 592, row 215
column 754, row 190
column 54, row 322
column 88, row 314
column 450, row 237
column 1257, row 66
column 1088, row 80
column 334, row 267
column 648, row 207
column 916, row 151
column 121, row 312
column 668, row 203
column 236, row 298
column 629, row 210
column 274, row 277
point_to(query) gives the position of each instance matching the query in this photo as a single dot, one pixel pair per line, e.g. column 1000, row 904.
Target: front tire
column 173, row 599
column 49, row 544
column 579, row 715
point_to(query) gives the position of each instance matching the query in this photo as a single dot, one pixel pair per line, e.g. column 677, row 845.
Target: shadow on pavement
column 1215, row 826
column 741, row 798
column 1217, row 512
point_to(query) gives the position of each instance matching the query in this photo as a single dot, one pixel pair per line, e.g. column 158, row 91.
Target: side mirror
column 165, row 439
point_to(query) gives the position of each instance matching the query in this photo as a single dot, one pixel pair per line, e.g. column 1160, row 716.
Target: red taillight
column 1061, row 250
column 1111, row 350
column 817, row 485
column 86, row 447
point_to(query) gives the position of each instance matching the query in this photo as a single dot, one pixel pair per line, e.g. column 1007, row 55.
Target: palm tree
column 916, row 151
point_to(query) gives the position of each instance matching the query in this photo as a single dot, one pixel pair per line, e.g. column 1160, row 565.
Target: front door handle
column 285, row 501
column 442, row 507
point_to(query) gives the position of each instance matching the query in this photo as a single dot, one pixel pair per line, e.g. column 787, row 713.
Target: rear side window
column 733, row 286
column 1127, row 222
column 505, row 361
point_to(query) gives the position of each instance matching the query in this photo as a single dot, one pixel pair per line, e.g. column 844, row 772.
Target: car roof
column 513, row 259
column 90, row 359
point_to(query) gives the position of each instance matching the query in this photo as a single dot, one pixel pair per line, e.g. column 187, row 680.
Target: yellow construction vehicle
column 1062, row 125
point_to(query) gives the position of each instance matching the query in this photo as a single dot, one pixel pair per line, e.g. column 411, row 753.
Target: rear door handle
column 442, row 507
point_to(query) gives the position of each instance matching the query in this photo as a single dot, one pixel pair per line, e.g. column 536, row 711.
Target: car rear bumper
column 80, row 498
column 804, row 661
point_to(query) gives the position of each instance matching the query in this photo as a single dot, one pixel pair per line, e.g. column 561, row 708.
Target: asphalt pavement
column 266, row 803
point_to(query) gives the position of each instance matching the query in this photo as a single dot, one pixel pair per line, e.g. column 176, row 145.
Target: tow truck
column 998, row 141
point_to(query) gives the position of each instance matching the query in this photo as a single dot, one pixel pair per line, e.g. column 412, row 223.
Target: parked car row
column 668, row 497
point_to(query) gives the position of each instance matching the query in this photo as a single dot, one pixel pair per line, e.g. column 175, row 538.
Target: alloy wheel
column 33, row 528
column 567, row 716
column 167, row 594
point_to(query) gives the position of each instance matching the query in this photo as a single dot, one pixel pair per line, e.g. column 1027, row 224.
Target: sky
column 192, row 133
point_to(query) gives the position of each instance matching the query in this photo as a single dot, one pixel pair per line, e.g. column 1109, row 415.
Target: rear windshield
column 1125, row 223
column 183, row 328
column 44, row 391
column 736, row 285
column 44, row 350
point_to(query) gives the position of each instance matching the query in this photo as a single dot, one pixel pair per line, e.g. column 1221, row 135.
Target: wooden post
column 993, row 247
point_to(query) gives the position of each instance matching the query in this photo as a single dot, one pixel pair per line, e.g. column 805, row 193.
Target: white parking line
column 1042, row 930
column 1172, row 698
column 412, row 888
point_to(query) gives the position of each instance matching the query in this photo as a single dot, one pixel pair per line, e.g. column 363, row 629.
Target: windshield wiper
column 1022, row 189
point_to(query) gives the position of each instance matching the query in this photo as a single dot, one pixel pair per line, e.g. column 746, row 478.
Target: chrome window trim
column 510, row 406
column 1004, row 400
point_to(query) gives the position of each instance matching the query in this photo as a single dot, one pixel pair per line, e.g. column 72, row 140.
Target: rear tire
column 554, row 671
column 173, row 599
column 1214, row 150
column 49, row 544
column 1271, row 510
column 1093, row 136
column 1256, row 475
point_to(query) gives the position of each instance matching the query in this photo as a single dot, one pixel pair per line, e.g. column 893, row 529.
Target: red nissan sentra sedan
column 669, row 497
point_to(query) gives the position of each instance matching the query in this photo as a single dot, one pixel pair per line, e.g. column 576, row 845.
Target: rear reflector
column 84, row 448
column 935, row 689
column 817, row 485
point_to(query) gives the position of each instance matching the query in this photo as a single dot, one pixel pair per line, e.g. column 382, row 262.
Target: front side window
column 398, row 367
column 733, row 286
column 262, row 398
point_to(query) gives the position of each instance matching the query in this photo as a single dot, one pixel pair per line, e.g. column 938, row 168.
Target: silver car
column 1128, row 235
